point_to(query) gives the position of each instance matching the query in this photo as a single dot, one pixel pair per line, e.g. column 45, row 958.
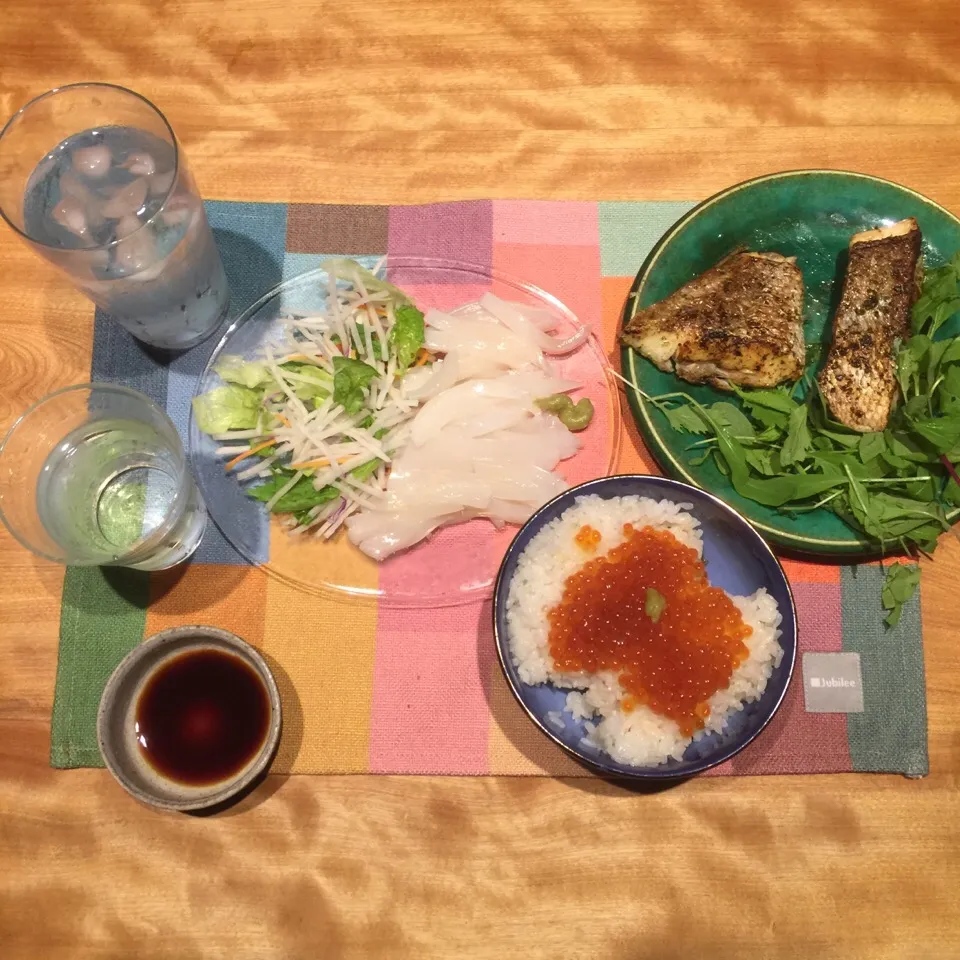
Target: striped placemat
column 370, row 690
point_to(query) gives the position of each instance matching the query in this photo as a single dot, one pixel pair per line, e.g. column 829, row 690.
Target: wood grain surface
column 416, row 100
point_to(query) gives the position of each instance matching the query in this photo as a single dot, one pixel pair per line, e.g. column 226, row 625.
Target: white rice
column 640, row 737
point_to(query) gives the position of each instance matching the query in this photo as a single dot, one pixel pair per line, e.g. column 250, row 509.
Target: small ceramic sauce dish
column 189, row 719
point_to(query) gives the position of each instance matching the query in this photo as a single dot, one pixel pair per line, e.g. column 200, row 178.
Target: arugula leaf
column 939, row 299
column 908, row 365
column 797, row 444
column 849, row 441
column 899, row 587
column 227, row 408
column 942, row 432
column 406, row 336
column 350, row 379
column 301, row 496
column 685, row 419
column 770, row 419
column 778, row 400
column 871, row 445
column 733, row 418
column 775, row 491
column 761, row 461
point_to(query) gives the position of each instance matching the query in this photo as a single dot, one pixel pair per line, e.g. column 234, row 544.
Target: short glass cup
column 93, row 179
column 95, row 475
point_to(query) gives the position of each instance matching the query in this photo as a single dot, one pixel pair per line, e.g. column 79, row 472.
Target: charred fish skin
column 885, row 272
column 740, row 322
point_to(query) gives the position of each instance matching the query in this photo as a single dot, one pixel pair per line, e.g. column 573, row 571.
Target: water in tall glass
column 115, row 192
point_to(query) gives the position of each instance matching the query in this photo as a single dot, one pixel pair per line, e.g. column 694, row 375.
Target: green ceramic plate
column 809, row 214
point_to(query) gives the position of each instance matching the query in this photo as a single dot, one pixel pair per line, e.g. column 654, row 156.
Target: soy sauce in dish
column 202, row 717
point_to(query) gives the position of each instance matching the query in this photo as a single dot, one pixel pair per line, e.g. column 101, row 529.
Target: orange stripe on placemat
column 516, row 747
column 325, row 647
column 634, row 456
column 613, row 291
column 799, row 571
column 229, row 597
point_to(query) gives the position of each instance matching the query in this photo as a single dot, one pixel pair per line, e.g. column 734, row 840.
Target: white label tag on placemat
column 832, row 683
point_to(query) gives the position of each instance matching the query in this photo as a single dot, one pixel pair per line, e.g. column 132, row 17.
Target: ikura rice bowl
column 635, row 724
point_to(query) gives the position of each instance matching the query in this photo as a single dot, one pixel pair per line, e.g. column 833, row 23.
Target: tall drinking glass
column 96, row 475
column 92, row 177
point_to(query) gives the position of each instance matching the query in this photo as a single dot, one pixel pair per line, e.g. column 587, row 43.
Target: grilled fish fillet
column 740, row 322
column 884, row 275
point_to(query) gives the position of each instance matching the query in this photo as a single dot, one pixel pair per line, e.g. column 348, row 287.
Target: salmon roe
column 674, row 665
column 587, row 538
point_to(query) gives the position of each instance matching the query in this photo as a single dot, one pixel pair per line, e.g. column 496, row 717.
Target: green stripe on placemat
column 891, row 733
column 102, row 619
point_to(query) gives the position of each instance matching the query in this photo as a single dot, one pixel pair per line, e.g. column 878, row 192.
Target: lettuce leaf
column 227, row 408
column 345, row 269
column 246, row 373
column 406, row 335
column 320, row 386
column 350, row 379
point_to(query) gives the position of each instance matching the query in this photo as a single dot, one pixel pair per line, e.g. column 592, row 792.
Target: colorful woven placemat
column 370, row 690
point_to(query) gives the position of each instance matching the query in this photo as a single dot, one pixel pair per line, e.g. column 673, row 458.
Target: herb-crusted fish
column 884, row 275
column 740, row 322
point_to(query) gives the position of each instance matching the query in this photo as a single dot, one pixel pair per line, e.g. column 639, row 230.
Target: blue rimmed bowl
column 737, row 559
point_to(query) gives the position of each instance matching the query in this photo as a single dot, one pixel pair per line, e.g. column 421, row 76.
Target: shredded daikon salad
column 374, row 416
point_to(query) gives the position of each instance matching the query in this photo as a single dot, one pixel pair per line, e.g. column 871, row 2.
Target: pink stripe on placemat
column 548, row 222
column 797, row 741
column 818, row 617
column 445, row 231
column 444, row 296
column 429, row 712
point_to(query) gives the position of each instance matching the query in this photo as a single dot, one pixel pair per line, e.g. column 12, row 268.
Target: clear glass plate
column 454, row 565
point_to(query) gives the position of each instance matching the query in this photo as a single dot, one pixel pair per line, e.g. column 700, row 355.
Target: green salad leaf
column 798, row 440
column 300, row 497
column 310, row 381
column 899, row 586
column 407, row 335
column 366, row 470
column 350, row 379
column 344, row 268
column 897, row 487
column 246, row 373
column 231, row 407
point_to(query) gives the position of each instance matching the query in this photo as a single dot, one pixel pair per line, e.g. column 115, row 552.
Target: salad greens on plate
column 330, row 401
column 899, row 487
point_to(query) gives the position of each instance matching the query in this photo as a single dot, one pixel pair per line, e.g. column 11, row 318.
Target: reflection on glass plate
column 454, row 565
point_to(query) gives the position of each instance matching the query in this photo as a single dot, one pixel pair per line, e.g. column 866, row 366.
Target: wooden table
column 413, row 101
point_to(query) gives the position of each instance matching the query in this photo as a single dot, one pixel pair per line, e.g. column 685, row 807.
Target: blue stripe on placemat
column 251, row 238
column 891, row 733
column 629, row 230
column 119, row 358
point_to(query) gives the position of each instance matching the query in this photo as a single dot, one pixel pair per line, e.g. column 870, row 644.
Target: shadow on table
column 141, row 588
column 509, row 717
column 118, row 357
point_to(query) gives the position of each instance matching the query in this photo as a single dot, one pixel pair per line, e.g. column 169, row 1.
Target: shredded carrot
column 243, row 456
column 282, row 419
column 422, row 357
column 319, row 462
